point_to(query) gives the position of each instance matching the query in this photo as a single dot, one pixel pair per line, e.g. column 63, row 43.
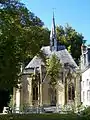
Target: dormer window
column 88, row 96
column 89, row 85
column 83, row 84
column 87, row 82
column 84, row 49
column 83, row 96
column 84, row 59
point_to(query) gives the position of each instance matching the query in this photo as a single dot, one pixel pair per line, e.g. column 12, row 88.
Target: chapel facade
column 35, row 89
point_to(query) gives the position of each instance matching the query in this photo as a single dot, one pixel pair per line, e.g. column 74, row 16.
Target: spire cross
column 53, row 9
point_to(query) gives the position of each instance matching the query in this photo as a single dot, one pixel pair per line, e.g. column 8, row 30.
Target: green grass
column 40, row 117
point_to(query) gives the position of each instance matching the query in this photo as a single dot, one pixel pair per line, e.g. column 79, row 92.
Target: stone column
column 65, row 83
column 57, row 95
column 38, row 93
column 21, row 88
column 77, row 91
column 66, row 90
column 30, row 90
column 60, row 94
column 41, row 103
column 17, row 100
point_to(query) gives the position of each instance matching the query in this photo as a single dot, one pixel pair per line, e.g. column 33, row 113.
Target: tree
column 53, row 67
column 4, row 99
column 21, row 36
column 71, row 39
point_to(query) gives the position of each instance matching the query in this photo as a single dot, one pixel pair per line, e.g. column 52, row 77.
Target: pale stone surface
column 24, row 97
column 60, row 94
column 45, row 95
column 77, row 91
column 26, row 90
column 17, row 100
column 85, row 87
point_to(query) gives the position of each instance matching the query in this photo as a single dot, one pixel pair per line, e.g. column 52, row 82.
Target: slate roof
column 63, row 55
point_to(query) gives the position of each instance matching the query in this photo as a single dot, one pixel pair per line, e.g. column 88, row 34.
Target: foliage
column 10, row 104
column 53, row 69
column 43, row 56
column 4, row 98
column 71, row 39
column 21, row 36
column 68, row 108
column 86, row 111
column 70, row 71
column 41, row 117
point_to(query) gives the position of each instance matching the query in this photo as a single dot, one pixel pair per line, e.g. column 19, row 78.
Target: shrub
column 86, row 111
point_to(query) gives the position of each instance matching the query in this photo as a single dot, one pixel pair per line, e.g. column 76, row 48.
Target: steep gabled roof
column 63, row 55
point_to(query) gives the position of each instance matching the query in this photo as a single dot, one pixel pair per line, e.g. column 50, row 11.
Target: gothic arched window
column 71, row 92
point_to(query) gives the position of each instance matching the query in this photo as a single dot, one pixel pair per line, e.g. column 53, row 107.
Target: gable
column 63, row 55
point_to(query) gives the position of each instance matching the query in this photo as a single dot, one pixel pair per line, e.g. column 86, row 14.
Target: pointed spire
column 54, row 27
column 53, row 40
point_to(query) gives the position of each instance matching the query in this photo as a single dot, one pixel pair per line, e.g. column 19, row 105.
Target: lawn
column 40, row 117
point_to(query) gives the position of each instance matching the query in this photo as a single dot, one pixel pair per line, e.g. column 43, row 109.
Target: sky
column 74, row 12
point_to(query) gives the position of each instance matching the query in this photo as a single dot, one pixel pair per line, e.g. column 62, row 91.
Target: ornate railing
column 43, row 109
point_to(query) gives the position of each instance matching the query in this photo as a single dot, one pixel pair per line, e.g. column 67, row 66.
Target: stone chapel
column 35, row 89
